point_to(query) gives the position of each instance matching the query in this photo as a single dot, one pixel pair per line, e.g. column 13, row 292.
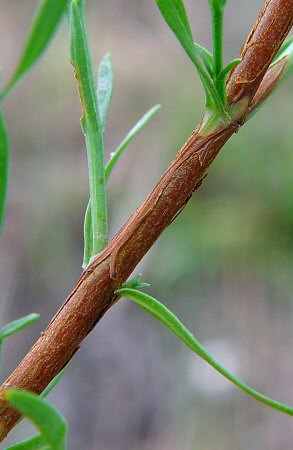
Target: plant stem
column 217, row 32
column 94, row 292
column 98, row 202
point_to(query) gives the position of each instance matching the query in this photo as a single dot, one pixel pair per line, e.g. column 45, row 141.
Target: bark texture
column 94, row 292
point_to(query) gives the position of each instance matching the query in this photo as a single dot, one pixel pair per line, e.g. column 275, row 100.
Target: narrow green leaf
column 128, row 138
column 48, row 420
column 175, row 15
column 105, row 88
column 18, row 325
column 225, row 72
column 47, row 18
column 207, row 58
column 4, row 167
column 53, row 383
column 37, row 442
column 160, row 312
column 217, row 3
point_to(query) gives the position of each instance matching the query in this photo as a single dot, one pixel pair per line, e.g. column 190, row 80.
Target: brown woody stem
column 94, row 293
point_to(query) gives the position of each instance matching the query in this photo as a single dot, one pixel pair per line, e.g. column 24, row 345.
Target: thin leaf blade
column 53, row 383
column 129, row 137
column 48, row 420
column 17, row 325
column 165, row 316
column 37, row 442
column 4, row 167
column 45, row 23
column 230, row 66
column 207, row 58
column 175, row 15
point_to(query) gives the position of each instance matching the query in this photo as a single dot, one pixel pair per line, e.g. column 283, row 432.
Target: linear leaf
column 128, row 138
column 225, row 72
column 207, row 58
column 105, row 88
column 175, row 15
column 45, row 23
column 164, row 315
column 4, row 167
column 17, row 325
column 53, row 383
column 37, row 442
column 49, row 421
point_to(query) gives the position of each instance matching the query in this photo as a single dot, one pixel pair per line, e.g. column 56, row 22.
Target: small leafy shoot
column 135, row 283
column 165, row 316
column 45, row 23
column 128, row 138
column 105, row 88
column 88, row 249
column 96, row 234
column 43, row 415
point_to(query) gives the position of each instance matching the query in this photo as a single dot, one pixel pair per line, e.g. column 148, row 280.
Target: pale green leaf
column 135, row 283
column 105, row 88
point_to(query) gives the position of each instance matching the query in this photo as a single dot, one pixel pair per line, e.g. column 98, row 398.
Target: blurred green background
column 224, row 266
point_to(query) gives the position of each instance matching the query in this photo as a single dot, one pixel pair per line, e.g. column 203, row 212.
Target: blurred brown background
column 224, row 266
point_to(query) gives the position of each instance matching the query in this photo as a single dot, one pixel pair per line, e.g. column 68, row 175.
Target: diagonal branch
column 94, row 293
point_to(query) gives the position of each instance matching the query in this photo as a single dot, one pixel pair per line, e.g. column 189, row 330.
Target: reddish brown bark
column 94, row 293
